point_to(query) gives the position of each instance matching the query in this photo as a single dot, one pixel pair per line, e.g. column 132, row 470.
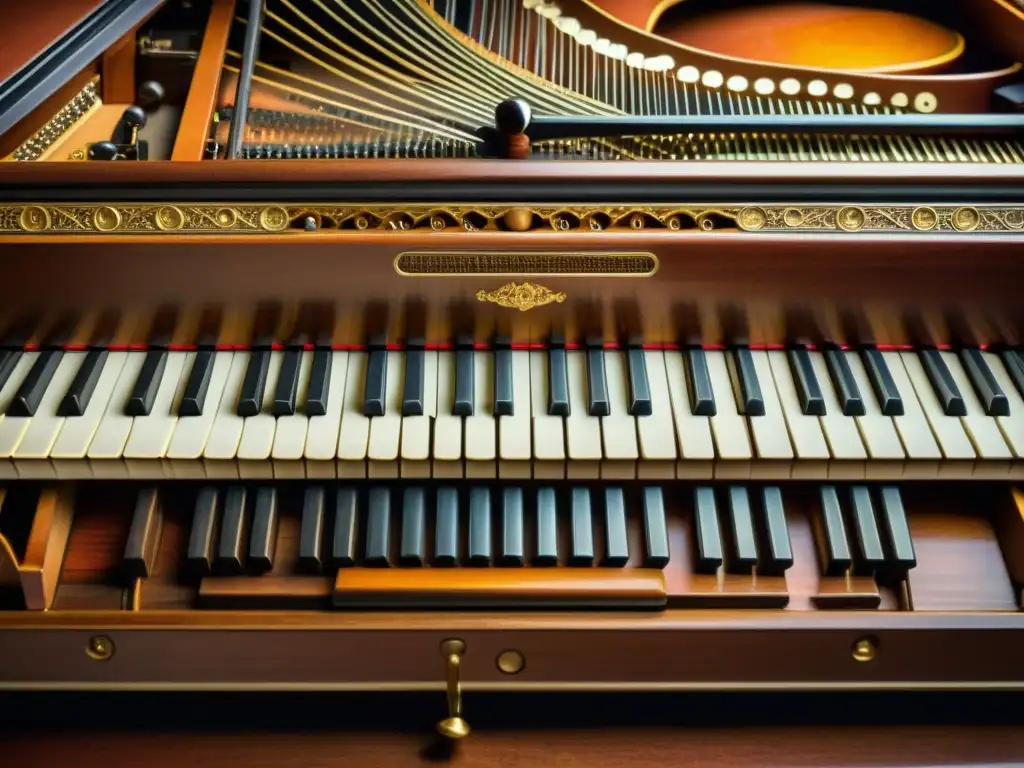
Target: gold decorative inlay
column 399, row 218
column 521, row 296
column 525, row 263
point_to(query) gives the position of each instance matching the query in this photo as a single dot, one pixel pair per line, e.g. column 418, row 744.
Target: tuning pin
column 635, row 59
column 134, row 117
column 151, row 95
column 103, row 150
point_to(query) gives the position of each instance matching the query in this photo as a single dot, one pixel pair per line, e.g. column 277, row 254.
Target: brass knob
column 865, row 649
column 99, row 648
column 453, row 727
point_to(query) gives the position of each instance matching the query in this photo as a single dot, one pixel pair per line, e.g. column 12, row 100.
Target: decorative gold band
column 398, row 218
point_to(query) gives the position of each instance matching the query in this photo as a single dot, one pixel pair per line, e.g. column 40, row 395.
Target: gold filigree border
column 398, row 218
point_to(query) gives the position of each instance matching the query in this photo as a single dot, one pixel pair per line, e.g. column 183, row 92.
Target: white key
column 923, row 453
column 151, row 435
column 993, row 453
column 727, row 425
column 447, row 426
column 354, row 432
column 13, row 427
column 655, row 432
column 1011, row 426
column 45, row 426
column 618, row 429
column 69, row 450
column 844, row 441
column 192, row 432
column 416, row 429
column 322, row 436
column 957, row 451
column 692, row 433
column 481, row 428
column 582, row 431
column 876, row 429
column 107, row 446
column 386, row 431
column 222, row 444
column 258, row 431
column 548, row 431
column 771, row 438
column 514, row 432
column 290, row 436
column 809, row 442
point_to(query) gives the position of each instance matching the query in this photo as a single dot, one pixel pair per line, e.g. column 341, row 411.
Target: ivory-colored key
column 290, row 436
column 354, row 432
column 151, row 435
column 1011, row 426
column 13, row 427
column 882, row 441
column 31, row 454
column 481, row 428
column 321, row 447
column 994, row 454
column 191, row 432
column 416, row 429
column 514, row 434
column 107, row 446
column 729, row 428
column 957, row 451
column 844, row 442
column 692, row 433
column 656, row 434
column 923, row 453
column 386, row 431
column 257, row 438
column 222, row 444
column 548, row 431
column 771, row 438
column 809, row 442
column 618, row 429
column 582, row 431
column 68, row 454
column 447, row 426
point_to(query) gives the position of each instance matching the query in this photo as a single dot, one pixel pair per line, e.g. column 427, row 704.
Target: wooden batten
column 117, row 69
column 1009, row 527
column 47, row 543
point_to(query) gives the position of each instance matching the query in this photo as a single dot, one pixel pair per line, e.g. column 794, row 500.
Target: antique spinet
column 495, row 344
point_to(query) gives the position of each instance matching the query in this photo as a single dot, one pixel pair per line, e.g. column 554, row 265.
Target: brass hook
column 453, row 726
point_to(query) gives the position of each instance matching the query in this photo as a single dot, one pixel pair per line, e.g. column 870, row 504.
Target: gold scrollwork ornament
column 850, row 219
column 966, row 219
column 34, row 218
column 522, row 296
column 169, row 218
column 924, row 218
column 274, row 218
column 106, row 218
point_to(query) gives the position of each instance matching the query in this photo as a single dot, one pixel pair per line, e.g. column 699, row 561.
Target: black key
column 198, row 384
column 992, row 397
column 465, row 383
column 446, row 534
column 942, row 383
column 582, row 528
column 346, row 522
column 616, row 543
column 598, row 403
column 558, row 383
column 1012, row 360
column 311, row 530
column 479, row 526
column 26, row 401
column 833, row 545
column 513, row 543
column 414, row 527
column 847, row 391
column 287, row 384
column 376, row 383
column 547, row 527
column 639, row 385
column 656, row 553
column 776, row 556
column 889, row 399
column 901, row 555
column 698, row 384
column 413, row 394
column 263, row 539
column 743, row 550
column 319, row 383
column 869, row 544
column 143, row 536
column 751, row 400
column 231, row 548
column 200, row 553
column 378, row 527
column 812, row 403
column 707, row 533
column 8, row 360
column 254, row 384
column 146, row 386
column 504, row 400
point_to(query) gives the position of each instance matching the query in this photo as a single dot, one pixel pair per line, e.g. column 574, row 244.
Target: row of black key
column 864, row 531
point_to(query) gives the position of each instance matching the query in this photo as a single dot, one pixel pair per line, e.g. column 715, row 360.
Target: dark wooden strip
column 144, row 535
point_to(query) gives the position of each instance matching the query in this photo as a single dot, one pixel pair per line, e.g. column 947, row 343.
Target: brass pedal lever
column 453, row 727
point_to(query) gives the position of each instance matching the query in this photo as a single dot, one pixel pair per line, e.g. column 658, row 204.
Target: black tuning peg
column 134, row 117
column 151, row 95
column 103, row 150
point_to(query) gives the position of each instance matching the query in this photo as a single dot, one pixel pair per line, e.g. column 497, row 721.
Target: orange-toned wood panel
column 31, row 27
column 39, row 116
column 118, row 70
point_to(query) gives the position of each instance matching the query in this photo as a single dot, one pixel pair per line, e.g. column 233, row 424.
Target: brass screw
column 865, row 649
column 100, row 648
column 511, row 662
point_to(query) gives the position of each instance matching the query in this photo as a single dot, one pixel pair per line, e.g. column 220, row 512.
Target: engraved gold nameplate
column 521, row 296
column 526, row 264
